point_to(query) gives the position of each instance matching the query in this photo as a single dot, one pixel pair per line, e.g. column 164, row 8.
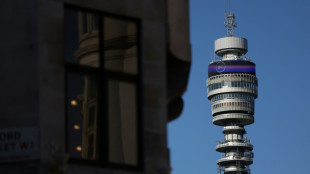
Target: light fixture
column 78, row 148
column 74, row 102
column 76, row 127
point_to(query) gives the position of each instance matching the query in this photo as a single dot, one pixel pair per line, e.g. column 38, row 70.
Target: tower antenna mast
column 230, row 22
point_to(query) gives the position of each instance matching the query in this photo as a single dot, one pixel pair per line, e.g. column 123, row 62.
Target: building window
column 102, row 88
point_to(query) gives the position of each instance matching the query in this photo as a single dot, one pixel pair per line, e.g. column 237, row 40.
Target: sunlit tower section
column 232, row 89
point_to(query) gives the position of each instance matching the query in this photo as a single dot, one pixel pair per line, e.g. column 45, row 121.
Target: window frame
column 105, row 76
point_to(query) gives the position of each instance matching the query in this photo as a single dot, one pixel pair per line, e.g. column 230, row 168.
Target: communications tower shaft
column 232, row 89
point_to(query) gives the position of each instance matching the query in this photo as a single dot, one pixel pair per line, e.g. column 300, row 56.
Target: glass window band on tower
column 232, row 82
column 103, row 88
column 239, row 84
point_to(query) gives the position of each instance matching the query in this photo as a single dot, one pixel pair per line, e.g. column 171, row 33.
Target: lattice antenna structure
column 230, row 23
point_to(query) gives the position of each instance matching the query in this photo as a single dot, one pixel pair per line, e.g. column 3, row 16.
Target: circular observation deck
column 233, row 169
column 250, row 90
column 232, row 145
column 227, row 129
column 232, row 105
column 231, row 44
column 223, row 119
column 229, row 160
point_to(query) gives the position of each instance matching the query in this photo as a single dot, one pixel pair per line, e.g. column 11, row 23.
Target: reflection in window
column 89, row 81
column 74, row 114
column 122, row 122
column 120, row 45
column 91, row 147
column 88, row 22
column 80, row 117
column 92, row 88
column 91, row 116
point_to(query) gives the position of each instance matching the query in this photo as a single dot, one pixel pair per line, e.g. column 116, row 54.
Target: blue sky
column 278, row 33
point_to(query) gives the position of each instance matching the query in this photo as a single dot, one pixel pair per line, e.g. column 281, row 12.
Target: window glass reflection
column 71, row 35
column 81, row 38
column 81, row 117
column 88, row 23
column 74, row 112
column 120, row 45
column 118, row 111
column 122, row 123
column 91, row 116
column 91, row 146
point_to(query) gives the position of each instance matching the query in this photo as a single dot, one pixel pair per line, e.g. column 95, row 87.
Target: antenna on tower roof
column 230, row 22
